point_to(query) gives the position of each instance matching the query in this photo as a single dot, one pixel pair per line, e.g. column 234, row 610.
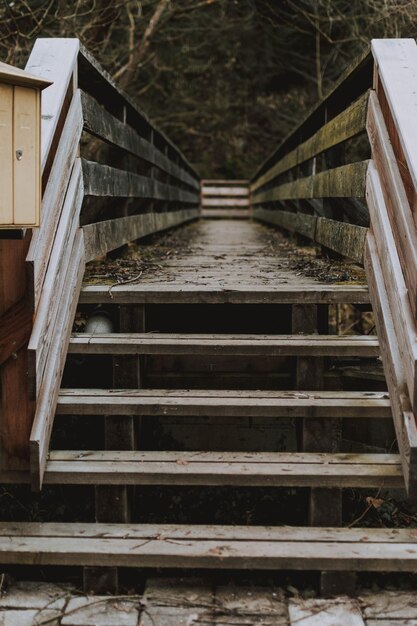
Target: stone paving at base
column 191, row 602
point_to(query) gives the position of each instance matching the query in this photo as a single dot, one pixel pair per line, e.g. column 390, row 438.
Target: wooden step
column 210, row 403
column 161, row 292
column 214, row 547
column 228, row 214
column 225, row 345
column 245, row 469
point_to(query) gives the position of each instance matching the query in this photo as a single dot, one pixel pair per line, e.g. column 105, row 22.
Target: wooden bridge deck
column 226, row 261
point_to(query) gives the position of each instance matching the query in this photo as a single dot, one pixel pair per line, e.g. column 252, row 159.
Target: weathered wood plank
column 99, row 122
column 103, row 180
column 223, row 403
column 53, row 291
column 399, row 210
column 184, row 293
column 396, row 62
column 221, row 201
column 76, row 544
column 15, row 329
column 16, row 409
column 91, row 73
column 346, row 181
column 54, row 196
column 224, row 191
column 396, row 289
column 344, row 126
column 48, row 393
column 229, row 214
column 404, row 420
column 351, row 84
column 101, row 237
column 234, row 345
column 224, row 468
column 345, row 239
column 54, row 60
column 301, row 223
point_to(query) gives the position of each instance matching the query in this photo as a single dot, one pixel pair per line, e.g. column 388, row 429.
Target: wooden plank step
column 254, row 469
column 184, row 293
column 211, row 403
column 225, row 344
column 208, row 547
column 229, row 214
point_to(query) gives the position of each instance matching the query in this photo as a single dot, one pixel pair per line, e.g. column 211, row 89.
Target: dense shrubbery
column 225, row 78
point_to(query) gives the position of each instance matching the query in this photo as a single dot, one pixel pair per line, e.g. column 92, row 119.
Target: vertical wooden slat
column 26, row 167
column 6, row 161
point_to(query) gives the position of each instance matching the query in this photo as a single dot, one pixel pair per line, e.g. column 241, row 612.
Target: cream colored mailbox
column 20, row 147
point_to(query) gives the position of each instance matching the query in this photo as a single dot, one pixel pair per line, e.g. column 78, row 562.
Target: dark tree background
column 226, row 79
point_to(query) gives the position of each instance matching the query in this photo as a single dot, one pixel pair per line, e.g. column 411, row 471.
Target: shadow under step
column 225, row 345
column 245, row 469
column 216, row 403
column 209, row 547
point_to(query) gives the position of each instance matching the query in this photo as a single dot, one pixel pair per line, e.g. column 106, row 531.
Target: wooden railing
column 88, row 209
column 315, row 185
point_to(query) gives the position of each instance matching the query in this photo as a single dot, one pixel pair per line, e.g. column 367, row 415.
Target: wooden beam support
column 113, row 503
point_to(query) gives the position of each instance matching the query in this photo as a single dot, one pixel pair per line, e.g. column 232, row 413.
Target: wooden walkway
column 194, row 602
column 226, row 262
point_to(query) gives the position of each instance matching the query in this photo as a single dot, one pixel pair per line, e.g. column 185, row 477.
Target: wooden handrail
column 288, row 190
column 155, row 188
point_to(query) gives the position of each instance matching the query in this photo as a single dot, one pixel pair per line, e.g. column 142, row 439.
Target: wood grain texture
column 15, row 330
column 224, row 468
column 94, row 78
column 103, row 180
column 224, row 547
column 234, row 345
column 344, row 126
column 49, row 390
column 350, row 85
column 54, row 60
column 224, row 403
column 102, row 237
column 396, row 289
column 396, row 62
column 398, row 208
column 345, row 239
column 99, row 122
column 53, row 199
column 404, row 420
column 346, row 181
column 49, row 311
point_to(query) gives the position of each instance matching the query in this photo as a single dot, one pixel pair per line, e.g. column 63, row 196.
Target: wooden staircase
column 220, row 370
column 118, row 464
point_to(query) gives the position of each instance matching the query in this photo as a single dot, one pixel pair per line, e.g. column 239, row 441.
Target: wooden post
column 113, row 502
column 325, row 505
column 16, row 402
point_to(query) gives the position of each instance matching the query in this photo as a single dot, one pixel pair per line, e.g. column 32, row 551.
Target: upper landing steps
column 222, row 199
